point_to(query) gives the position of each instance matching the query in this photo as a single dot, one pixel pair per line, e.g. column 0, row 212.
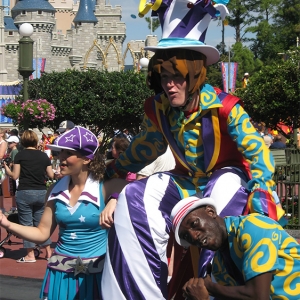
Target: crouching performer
column 265, row 259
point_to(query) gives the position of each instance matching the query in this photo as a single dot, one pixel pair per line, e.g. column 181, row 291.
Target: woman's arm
column 110, row 187
column 49, row 172
column 15, row 174
column 3, row 148
column 37, row 234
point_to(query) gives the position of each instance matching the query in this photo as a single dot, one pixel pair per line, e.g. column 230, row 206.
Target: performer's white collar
column 90, row 192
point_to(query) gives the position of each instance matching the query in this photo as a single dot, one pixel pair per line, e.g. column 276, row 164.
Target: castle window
column 10, row 33
column 23, row 12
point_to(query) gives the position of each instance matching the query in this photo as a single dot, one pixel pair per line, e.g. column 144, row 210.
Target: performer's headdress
column 184, row 23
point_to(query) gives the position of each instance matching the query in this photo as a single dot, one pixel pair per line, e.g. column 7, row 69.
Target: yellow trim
column 160, row 107
column 217, row 134
column 145, row 7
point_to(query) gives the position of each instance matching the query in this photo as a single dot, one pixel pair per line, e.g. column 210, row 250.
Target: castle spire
column 33, row 5
column 85, row 13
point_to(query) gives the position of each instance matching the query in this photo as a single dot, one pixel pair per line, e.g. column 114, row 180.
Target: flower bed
column 30, row 113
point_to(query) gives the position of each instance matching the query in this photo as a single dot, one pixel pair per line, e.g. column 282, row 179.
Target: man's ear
column 211, row 211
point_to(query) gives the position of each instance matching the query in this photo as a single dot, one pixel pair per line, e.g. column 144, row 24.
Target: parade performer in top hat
column 218, row 154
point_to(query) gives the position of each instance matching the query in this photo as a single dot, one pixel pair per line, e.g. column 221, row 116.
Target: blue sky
column 137, row 29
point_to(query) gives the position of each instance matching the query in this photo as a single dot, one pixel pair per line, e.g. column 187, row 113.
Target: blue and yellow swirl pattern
column 258, row 245
column 152, row 142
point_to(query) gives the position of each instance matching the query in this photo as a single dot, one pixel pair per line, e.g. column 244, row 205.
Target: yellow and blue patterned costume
column 257, row 245
column 218, row 153
column 191, row 148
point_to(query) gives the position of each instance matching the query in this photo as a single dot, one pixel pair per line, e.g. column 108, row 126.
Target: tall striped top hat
column 184, row 23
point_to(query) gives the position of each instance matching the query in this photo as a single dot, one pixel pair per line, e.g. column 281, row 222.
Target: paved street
column 17, row 288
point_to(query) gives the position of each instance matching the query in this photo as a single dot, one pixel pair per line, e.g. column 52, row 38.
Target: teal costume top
column 75, row 269
column 258, row 244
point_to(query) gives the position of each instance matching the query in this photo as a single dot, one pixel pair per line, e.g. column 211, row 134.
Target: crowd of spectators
column 273, row 139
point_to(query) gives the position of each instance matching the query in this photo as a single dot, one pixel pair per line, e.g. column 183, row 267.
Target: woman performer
column 74, row 204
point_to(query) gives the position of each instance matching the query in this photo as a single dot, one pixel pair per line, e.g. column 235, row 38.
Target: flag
column 39, row 67
column 4, row 119
column 229, row 76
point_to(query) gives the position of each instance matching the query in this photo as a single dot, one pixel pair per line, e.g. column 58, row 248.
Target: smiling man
column 263, row 256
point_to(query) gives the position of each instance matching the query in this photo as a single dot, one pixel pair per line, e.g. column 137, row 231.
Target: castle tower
column 111, row 33
column 41, row 15
column 3, row 70
column 11, row 48
column 85, row 31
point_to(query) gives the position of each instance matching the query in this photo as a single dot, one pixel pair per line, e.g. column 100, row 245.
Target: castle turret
column 85, row 13
column 32, row 5
column 85, row 21
column 41, row 15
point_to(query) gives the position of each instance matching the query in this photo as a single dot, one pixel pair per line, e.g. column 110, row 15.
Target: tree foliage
column 154, row 21
column 287, row 23
column 273, row 93
column 107, row 100
column 246, row 62
column 239, row 17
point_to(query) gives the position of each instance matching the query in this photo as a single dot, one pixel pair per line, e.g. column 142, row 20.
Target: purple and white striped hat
column 77, row 139
column 184, row 23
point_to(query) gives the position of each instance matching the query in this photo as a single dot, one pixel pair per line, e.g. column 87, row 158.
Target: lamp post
column 144, row 61
column 25, row 56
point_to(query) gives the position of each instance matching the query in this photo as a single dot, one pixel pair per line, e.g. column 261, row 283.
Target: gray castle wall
column 70, row 50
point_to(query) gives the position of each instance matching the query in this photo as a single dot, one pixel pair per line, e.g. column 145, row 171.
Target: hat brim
column 211, row 53
column 12, row 141
column 197, row 203
column 58, row 148
column 61, row 129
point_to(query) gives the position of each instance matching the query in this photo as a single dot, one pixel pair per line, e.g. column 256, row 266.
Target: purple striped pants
column 136, row 263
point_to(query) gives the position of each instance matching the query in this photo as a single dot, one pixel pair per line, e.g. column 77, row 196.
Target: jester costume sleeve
column 218, row 153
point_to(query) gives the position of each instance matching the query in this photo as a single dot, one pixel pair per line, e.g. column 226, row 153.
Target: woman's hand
column 106, row 216
column 195, row 289
column 3, row 220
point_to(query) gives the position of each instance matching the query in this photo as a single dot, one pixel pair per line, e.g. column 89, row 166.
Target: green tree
column 239, row 17
column 273, row 93
column 155, row 23
column 246, row 62
column 265, row 46
column 107, row 100
column 214, row 76
column 287, row 23
column 276, row 25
